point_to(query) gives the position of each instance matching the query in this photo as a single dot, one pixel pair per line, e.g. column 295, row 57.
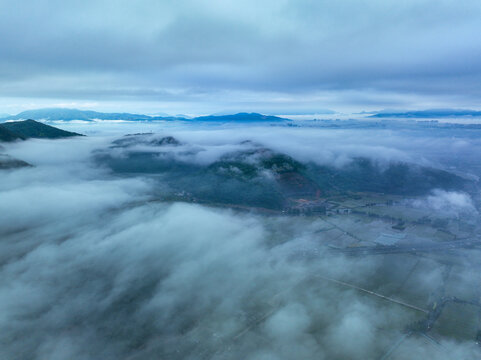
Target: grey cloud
column 292, row 47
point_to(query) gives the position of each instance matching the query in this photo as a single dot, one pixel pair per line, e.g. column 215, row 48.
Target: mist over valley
column 167, row 240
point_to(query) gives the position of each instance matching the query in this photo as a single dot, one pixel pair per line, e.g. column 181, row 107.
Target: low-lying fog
column 94, row 265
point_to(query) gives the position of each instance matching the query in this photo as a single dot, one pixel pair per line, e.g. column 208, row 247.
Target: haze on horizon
column 273, row 57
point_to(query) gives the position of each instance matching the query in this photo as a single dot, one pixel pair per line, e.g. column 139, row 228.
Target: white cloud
column 90, row 268
column 449, row 203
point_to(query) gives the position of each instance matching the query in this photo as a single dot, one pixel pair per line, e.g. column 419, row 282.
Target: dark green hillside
column 8, row 135
column 35, row 129
column 393, row 178
column 261, row 177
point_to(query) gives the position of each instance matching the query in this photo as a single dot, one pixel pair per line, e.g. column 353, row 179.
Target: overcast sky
column 274, row 56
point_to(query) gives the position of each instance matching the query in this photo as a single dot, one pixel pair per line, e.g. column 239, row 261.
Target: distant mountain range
column 54, row 114
column 240, row 117
column 73, row 114
column 21, row 130
column 61, row 114
column 428, row 114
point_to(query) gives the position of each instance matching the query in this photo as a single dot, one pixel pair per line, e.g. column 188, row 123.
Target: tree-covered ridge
column 258, row 176
column 21, row 130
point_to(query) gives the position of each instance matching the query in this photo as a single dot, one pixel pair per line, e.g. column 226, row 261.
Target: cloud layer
column 94, row 266
column 275, row 56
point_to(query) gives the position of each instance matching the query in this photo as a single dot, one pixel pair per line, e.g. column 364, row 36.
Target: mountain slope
column 8, row 135
column 34, row 129
column 261, row 177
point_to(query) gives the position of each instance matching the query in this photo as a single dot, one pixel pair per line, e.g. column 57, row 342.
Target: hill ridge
column 64, row 114
column 21, row 130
